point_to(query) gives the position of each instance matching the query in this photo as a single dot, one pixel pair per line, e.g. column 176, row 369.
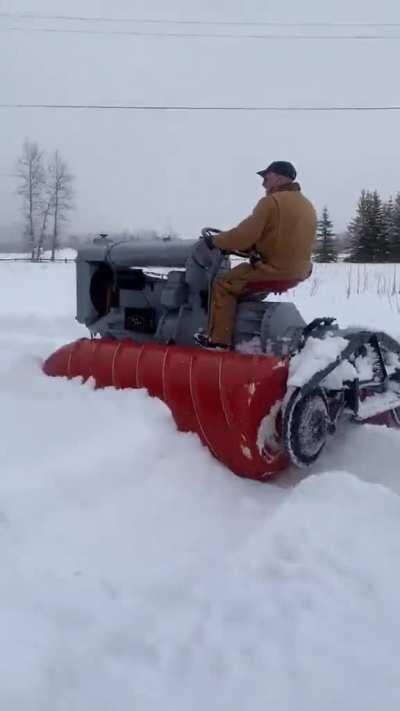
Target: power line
column 229, row 23
column 149, row 107
column 198, row 35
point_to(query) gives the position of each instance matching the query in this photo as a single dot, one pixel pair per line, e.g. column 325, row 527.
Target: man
column 280, row 232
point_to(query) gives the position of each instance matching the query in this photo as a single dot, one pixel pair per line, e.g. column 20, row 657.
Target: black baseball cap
column 280, row 167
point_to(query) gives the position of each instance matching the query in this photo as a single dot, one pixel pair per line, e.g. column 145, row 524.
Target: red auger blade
column 231, row 400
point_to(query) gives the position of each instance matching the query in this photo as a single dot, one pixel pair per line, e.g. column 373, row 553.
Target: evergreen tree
column 325, row 247
column 394, row 232
column 368, row 230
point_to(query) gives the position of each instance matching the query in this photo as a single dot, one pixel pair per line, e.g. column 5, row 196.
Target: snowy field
column 139, row 574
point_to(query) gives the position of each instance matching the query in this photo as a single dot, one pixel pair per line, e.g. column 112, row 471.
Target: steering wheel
column 206, row 235
column 209, row 231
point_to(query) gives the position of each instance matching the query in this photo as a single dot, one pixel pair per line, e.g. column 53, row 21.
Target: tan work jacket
column 281, row 229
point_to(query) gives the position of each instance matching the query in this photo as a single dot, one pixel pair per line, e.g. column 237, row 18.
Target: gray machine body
column 120, row 296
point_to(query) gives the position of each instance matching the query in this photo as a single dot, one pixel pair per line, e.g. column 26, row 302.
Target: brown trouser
column 225, row 293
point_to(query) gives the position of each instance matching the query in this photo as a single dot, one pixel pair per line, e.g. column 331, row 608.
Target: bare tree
column 59, row 184
column 44, row 218
column 31, row 176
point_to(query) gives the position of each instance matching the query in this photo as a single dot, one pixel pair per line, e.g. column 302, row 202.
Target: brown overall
column 282, row 230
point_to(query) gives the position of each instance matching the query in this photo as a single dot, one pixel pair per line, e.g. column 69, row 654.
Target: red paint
column 223, row 397
column 387, row 419
column 270, row 287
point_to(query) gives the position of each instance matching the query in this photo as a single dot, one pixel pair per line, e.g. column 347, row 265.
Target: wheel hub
column 312, row 429
column 306, row 424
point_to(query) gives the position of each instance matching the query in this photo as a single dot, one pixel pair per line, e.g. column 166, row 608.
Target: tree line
column 45, row 186
column 373, row 235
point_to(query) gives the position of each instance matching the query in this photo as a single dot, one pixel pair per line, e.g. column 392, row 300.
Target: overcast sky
column 186, row 170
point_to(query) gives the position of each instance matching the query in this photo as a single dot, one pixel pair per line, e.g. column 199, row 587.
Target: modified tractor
column 274, row 399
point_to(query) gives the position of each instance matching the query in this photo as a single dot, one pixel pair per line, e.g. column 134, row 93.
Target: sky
column 184, row 170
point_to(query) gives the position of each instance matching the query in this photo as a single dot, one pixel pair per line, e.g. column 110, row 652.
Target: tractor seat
column 277, row 286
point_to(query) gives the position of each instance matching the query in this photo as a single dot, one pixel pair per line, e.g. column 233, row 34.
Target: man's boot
column 202, row 339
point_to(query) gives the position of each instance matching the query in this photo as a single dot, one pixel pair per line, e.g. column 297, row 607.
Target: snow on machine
column 272, row 400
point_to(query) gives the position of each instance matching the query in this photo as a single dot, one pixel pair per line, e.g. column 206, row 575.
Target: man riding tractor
column 278, row 237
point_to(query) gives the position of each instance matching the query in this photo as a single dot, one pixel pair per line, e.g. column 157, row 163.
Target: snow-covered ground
column 138, row 573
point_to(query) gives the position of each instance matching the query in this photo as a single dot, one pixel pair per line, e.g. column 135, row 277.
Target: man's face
column 270, row 181
column 274, row 180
